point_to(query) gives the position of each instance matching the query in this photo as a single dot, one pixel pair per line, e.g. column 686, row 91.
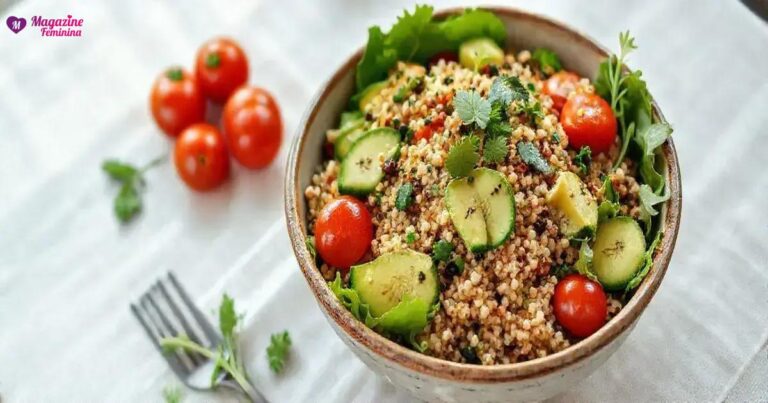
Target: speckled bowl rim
column 467, row 373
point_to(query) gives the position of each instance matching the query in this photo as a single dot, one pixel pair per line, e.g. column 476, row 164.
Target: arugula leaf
column 647, row 264
column 531, row 156
column 462, row 157
column 472, row 108
column 584, row 262
column 610, row 205
column 583, row 159
column 648, row 201
column 495, row 150
column 649, row 140
column 417, row 36
column 506, row 89
column 441, row 250
column 277, row 352
column 548, row 61
column 404, row 196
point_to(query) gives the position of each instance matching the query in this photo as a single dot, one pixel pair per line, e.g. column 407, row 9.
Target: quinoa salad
column 482, row 204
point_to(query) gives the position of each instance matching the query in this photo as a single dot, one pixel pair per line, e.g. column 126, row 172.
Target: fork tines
column 165, row 310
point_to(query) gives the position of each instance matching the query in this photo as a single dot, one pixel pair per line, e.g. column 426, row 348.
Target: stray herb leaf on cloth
column 277, row 352
column 128, row 201
column 462, row 157
column 531, row 156
column 227, row 356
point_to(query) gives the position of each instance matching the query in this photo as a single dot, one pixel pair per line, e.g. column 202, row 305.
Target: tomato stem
column 212, row 60
column 175, row 74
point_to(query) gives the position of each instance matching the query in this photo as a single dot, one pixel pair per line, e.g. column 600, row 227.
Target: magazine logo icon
column 16, row 24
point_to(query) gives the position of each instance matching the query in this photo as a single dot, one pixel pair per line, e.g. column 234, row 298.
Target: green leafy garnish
column 472, row 108
column 406, row 319
column 404, row 196
column 584, row 262
column 648, row 201
column 459, row 262
column 277, row 352
column 506, row 89
column 128, row 203
column 647, row 263
column 441, row 251
column 410, row 237
column 649, row 139
column 462, row 157
column 548, row 61
column 416, row 37
column 172, row 394
column 610, row 205
column 310, row 242
column 404, row 91
column 583, row 159
column 531, row 156
column 561, row 271
column 495, row 150
column 226, row 357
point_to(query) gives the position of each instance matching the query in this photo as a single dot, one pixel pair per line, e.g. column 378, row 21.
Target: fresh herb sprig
column 548, row 61
column 131, row 179
column 227, row 356
column 583, row 158
column 277, row 352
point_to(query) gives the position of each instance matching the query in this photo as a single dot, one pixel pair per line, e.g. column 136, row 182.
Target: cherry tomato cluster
column 251, row 122
column 587, row 119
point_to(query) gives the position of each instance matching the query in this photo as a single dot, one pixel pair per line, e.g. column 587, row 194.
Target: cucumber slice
column 361, row 168
column 579, row 207
column 479, row 52
column 482, row 208
column 383, row 282
column 619, row 251
column 369, row 93
column 345, row 141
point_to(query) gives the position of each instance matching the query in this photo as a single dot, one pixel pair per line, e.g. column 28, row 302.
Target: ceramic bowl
column 430, row 378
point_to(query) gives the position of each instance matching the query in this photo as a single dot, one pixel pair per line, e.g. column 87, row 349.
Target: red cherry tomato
column 589, row 121
column 253, row 126
column 200, row 156
column 447, row 55
column 176, row 101
column 343, row 232
column 580, row 305
column 559, row 86
column 221, row 68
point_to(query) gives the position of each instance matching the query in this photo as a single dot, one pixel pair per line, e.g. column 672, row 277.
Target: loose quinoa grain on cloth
column 499, row 304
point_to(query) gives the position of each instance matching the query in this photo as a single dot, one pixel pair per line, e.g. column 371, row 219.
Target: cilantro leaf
column 227, row 316
column 462, row 157
column 472, row 108
column 548, row 61
column 277, row 352
column 441, row 250
column 495, row 150
column 127, row 202
column 410, row 237
column 119, row 171
column 583, row 159
column 531, row 156
column 404, row 196
column 506, row 89
column 498, row 125
column 172, row 394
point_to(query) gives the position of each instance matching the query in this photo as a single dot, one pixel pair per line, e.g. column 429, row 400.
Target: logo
column 16, row 24
column 48, row 26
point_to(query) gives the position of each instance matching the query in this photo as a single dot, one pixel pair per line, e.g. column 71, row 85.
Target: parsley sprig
column 277, row 352
column 131, row 179
column 227, row 356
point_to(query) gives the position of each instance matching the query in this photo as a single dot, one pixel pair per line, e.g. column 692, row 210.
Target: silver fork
column 161, row 316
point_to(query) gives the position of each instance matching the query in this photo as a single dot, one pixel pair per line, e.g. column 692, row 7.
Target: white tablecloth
column 68, row 270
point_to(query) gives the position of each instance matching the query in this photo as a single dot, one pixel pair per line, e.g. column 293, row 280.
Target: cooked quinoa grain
column 498, row 308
